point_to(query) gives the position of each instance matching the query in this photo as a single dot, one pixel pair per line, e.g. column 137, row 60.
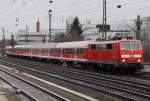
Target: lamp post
column 50, row 22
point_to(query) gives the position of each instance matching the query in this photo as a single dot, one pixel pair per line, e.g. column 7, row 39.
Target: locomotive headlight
column 139, row 60
column 123, row 60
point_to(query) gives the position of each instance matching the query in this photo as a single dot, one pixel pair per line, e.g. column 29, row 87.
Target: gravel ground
column 147, row 68
column 7, row 93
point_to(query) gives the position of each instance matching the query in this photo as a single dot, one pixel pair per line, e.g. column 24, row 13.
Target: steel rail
column 133, row 93
column 27, row 88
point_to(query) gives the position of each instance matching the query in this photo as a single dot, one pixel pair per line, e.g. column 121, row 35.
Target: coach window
column 64, row 51
column 55, row 50
column 72, row 51
column 83, row 51
column 59, row 51
column 109, row 46
column 49, row 51
column 42, row 50
column 78, row 51
column 93, row 46
column 69, row 51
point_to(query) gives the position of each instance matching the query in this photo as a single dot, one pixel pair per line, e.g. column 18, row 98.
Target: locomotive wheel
column 104, row 67
column 133, row 69
column 115, row 70
column 109, row 68
column 99, row 67
column 124, row 70
column 91, row 66
column 83, row 65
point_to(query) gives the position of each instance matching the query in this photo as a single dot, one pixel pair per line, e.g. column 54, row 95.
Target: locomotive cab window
column 135, row 45
column 130, row 45
column 125, row 45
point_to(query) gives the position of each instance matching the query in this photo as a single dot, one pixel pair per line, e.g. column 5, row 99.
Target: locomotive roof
column 114, row 41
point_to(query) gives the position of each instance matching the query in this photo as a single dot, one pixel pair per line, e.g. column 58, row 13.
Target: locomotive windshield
column 130, row 45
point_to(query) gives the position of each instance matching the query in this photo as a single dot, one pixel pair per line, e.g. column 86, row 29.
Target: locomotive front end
column 131, row 55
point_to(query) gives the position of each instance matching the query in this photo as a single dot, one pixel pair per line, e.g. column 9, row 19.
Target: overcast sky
column 28, row 11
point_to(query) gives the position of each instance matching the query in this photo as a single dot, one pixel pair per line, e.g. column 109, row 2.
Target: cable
column 77, row 3
column 96, row 7
column 18, row 8
column 93, row 10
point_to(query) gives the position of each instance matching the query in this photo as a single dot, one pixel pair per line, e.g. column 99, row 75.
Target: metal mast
column 138, row 24
column 3, row 43
column 26, row 38
column 50, row 16
column 50, row 22
column 104, row 19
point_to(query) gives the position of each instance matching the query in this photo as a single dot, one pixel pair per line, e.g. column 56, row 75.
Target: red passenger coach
column 112, row 56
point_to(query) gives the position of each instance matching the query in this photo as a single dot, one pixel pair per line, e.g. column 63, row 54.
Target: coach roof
column 78, row 44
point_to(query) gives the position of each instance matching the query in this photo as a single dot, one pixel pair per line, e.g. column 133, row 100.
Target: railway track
column 32, row 91
column 113, row 86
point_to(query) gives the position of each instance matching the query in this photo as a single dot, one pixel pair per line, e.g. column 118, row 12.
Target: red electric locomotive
column 115, row 56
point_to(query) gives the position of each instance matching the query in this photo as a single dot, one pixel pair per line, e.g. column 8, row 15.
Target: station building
column 25, row 37
column 28, row 38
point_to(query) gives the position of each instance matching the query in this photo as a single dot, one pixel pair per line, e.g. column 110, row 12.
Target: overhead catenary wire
column 67, row 10
column 78, row 3
column 83, row 8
